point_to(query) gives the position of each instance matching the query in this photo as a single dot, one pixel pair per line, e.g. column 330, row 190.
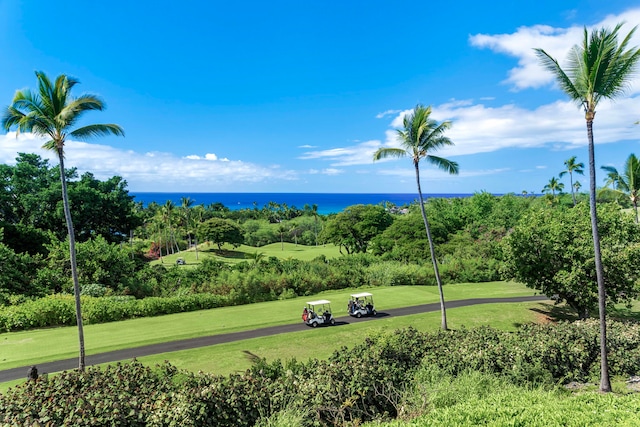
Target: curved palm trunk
column 605, row 383
column 432, row 250
column 573, row 192
column 72, row 257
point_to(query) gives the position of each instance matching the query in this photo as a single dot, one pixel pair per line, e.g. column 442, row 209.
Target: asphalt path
column 186, row 344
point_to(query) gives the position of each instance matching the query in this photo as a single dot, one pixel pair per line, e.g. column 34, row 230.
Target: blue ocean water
column 327, row 202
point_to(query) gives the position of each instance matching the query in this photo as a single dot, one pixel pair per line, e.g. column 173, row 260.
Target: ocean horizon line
column 326, row 203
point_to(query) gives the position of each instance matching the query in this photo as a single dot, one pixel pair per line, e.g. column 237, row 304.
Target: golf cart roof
column 320, row 301
column 362, row 295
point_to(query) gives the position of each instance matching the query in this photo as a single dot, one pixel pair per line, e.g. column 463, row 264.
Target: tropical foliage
column 392, row 375
column 573, row 167
column 549, row 250
column 598, row 68
column 420, row 137
column 51, row 113
column 627, row 182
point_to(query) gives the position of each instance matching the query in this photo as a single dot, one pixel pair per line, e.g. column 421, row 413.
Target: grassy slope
column 234, row 255
column 37, row 346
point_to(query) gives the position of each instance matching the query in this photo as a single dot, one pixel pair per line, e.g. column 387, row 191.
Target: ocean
column 327, row 202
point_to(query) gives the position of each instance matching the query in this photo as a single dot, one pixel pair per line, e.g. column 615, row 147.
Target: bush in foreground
column 402, row 374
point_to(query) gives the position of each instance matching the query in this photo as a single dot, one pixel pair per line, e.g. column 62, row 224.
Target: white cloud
column 557, row 42
column 361, row 153
column 152, row 171
column 386, row 113
column 480, row 129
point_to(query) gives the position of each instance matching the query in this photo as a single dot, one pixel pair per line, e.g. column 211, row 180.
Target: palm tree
column 420, row 137
column 599, row 68
column 187, row 202
column 553, row 186
column 168, row 216
column 196, row 220
column 572, row 167
column 282, row 229
column 51, row 113
column 577, row 186
column 628, row 183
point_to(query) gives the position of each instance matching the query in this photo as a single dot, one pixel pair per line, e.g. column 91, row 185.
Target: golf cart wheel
column 333, row 321
column 358, row 315
column 314, row 324
column 374, row 313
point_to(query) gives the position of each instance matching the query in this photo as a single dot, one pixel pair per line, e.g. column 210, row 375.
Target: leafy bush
column 402, row 373
column 59, row 310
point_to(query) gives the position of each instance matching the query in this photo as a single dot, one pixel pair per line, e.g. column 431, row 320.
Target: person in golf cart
column 361, row 304
column 317, row 313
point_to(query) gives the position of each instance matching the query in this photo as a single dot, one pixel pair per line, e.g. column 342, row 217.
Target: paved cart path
column 165, row 347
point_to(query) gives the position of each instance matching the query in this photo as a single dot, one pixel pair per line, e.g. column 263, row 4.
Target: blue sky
column 290, row 96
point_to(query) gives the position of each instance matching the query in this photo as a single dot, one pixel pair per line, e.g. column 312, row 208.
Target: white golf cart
column 318, row 313
column 361, row 305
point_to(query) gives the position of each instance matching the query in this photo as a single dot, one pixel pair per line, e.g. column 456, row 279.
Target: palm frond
column 91, row 131
column 446, row 165
column 562, row 78
column 383, row 153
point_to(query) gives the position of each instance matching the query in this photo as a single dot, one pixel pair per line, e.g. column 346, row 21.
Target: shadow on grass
column 556, row 313
column 623, row 313
column 225, row 253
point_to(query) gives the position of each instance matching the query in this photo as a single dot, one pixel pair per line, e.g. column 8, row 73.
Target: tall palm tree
column 599, row 68
column 572, row 167
column 168, row 216
column 421, row 136
column 552, row 186
column 187, row 203
column 627, row 183
column 196, row 220
column 52, row 112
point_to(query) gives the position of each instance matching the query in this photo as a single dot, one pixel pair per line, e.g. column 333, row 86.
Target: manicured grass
column 235, row 255
column 43, row 345
column 320, row 343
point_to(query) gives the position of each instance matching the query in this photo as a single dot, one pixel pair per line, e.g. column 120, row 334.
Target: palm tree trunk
column 573, row 193
column 72, row 257
column 605, row 382
column 432, row 250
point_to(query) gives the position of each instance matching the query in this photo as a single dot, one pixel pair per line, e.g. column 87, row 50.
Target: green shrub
column 59, row 310
column 403, row 373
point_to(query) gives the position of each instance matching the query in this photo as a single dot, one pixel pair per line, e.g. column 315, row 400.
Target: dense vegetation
column 400, row 375
column 118, row 239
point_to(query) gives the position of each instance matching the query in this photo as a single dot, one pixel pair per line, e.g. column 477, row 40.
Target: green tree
column 627, row 183
column 102, row 208
column 220, row 231
column 17, row 273
column 550, row 250
column 572, row 167
column 420, row 137
column 99, row 262
column 52, row 113
column 599, row 68
column 552, row 186
column 32, row 193
column 354, row 227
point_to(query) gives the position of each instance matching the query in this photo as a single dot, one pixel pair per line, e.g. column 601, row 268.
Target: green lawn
column 319, row 343
column 42, row 345
column 235, row 255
